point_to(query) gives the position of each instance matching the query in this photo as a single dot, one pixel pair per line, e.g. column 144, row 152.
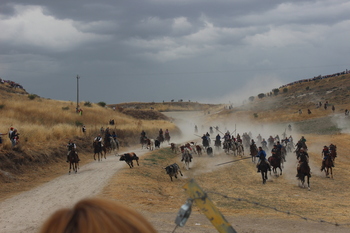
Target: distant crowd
column 11, row 83
column 317, row 78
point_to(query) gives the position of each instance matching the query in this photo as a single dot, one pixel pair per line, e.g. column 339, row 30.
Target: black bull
column 173, row 170
column 129, row 157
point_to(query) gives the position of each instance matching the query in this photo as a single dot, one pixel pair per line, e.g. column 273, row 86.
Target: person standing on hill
column 14, row 137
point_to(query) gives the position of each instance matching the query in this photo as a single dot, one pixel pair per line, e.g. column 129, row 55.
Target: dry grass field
column 236, row 188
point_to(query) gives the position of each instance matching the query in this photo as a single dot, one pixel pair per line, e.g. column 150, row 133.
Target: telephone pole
column 78, row 77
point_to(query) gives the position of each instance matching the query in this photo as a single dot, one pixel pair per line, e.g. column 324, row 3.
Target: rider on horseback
column 99, row 140
column 262, row 157
column 71, row 147
column 326, row 154
column 303, row 156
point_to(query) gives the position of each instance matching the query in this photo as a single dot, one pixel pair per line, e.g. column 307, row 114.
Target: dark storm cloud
column 162, row 50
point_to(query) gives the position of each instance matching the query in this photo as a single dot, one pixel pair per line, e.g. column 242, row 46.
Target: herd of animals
column 232, row 144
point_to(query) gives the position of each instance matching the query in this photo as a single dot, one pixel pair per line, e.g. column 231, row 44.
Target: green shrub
column 79, row 124
column 87, row 104
column 32, row 96
column 65, row 108
column 102, row 104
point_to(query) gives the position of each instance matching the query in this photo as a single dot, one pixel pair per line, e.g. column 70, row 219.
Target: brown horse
column 275, row 162
column 327, row 166
column 99, row 150
column 73, row 161
column 253, row 152
column 304, row 171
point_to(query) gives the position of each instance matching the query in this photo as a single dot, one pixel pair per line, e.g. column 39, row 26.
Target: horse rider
column 302, row 139
column 264, row 143
column 302, row 157
column 167, row 134
column 143, row 134
column 262, row 157
column 99, row 140
column 71, row 147
column 161, row 133
column 325, row 153
column 259, row 138
column 274, row 151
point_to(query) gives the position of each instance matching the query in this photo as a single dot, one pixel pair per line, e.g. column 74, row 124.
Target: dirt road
column 26, row 211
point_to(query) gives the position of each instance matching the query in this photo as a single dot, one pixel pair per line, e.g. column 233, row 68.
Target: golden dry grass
column 150, row 189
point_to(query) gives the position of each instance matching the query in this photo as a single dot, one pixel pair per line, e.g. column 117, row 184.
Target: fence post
column 207, row 207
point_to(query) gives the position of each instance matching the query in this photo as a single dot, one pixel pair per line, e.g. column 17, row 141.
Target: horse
column 187, row 158
column 167, row 137
column 128, row 158
column 333, row 152
column 143, row 142
column 205, row 143
column 328, row 166
column 73, row 161
column 283, row 155
column 199, row 150
column 160, row 138
column 253, row 152
column 240, row 149
column 217, row 144
column 99, row 150
column 275, row 163
column 114, row 144
column 263, row 167
column 304, row 171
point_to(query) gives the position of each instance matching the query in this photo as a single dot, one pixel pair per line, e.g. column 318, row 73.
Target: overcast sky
column 155, row 50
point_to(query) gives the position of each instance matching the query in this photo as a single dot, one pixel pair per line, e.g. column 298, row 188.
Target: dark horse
column 304, row 171
column 167, row 137
column 99, row 150
column 73, row 161
column 327, row 165
column 263, row 167
column 143, row 141
column 275, row 162
column 253, row 152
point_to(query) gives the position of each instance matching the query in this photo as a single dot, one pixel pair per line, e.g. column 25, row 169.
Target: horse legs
column 263, row 176
column 280, row 170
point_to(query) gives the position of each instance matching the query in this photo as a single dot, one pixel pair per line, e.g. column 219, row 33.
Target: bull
column 173, row 170
column 129, row 157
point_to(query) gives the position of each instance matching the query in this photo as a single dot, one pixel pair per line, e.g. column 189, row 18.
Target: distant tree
column 307, row 88
column 255, row 115
column 285, row 90
column 87, row 104
column 251, row 98
column 102, row 104
column 261, row 95
column 275, row 91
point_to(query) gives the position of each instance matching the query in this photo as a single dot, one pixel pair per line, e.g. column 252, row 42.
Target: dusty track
column 328, row 199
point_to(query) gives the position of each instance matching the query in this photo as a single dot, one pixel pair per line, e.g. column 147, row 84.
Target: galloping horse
column 167, row 137
column 304, row 171
column 328, row 166
column 217, row 144
column 240, row 149
column 99, row 150
column 73, row 161
column 143, row 141
column 253, row 152
column 263, row 167
column 275, row 162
